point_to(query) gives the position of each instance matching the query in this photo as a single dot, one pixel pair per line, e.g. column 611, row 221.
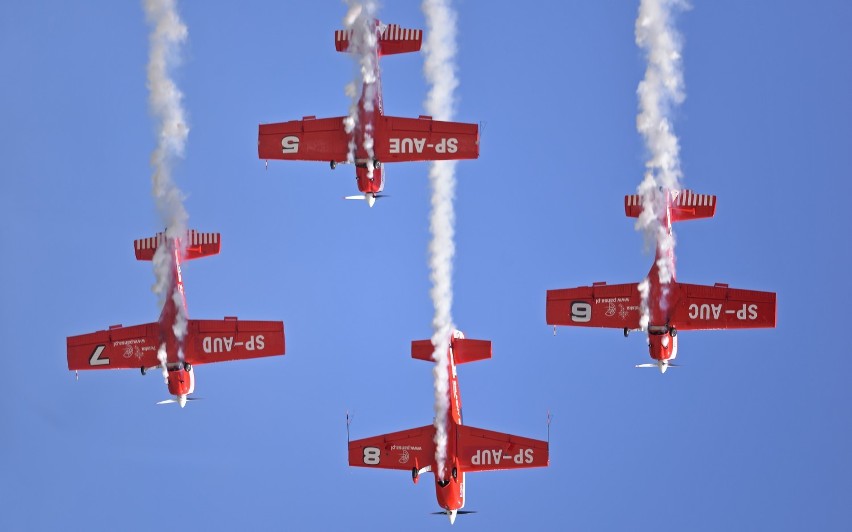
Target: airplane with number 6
column 157, row 345
column 468, row 449
column 672, row 306
column 374, row 139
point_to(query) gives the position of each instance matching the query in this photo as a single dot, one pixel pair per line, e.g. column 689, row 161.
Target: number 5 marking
column 581, row 312
column 96, row 360
column 372, row 455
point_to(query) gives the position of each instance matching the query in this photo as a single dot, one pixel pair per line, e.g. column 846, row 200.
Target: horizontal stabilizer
column 393, row 39
column 422, row 350
column 197, row 245
column 467, row 350
column 685, row 205
column 464, row 350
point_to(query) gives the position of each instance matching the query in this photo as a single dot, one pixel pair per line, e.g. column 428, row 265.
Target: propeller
column 370, row 197
column 661, row 365
column 181, row 401
column 452, row 514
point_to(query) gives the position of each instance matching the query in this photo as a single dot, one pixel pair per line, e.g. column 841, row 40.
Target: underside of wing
column 309, row 139
column 721, row 307
column 210, row 341
column 486, row 450
column 424, row 139
column 403, row 450
column 599, row 305
column 115, row 348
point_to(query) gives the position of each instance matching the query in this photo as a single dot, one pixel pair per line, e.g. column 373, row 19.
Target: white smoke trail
column 360, row 20
column 164, row 99
column 440, row 71
column 660, row 90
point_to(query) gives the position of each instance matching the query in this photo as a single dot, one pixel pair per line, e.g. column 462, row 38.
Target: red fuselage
column 370, row 176
column 449, row 484
column 180, row 379
column 662, row 344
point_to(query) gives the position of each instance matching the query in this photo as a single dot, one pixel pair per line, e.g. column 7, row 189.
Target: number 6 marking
column 372, row 455
column 581, row 312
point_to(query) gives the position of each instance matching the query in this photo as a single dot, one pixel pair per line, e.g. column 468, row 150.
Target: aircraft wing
column 599, row 305
column 486, row 450
column 721, row 307
column 210, row 341
column 309, row 139
column 424, row 139
column 116, row 348
column 398, row 450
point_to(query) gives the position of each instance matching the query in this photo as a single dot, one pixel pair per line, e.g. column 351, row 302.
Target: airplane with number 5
column 375, row 139
column 468, row 449
column 157, row 345
column 671, row 307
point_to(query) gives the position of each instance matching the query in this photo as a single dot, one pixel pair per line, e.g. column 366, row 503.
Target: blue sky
column 753, row 432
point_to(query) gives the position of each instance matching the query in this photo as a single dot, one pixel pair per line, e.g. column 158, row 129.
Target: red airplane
column 394, row 139
column 468, row 450
column 205, row 341
column 671, row 306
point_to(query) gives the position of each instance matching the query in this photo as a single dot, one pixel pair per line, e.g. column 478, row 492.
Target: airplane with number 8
column 468, row 450
column 157, row 345
column 672, row 306
column 374, row 138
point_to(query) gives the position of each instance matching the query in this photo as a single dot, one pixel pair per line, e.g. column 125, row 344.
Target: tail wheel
column 414, row 473
column 626, row 332
column 377, row 164
column 187, row 366
column 455, row 474
column 143, row 370
column 674, row 332
column 333, row 164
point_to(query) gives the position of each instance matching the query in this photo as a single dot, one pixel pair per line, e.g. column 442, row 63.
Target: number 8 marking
column 372, row 455
column 581, row 312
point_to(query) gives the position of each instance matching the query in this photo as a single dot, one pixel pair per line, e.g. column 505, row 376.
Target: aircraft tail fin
column 197, row 245
column 393, row 39
column 685, row 205
column 464, row 350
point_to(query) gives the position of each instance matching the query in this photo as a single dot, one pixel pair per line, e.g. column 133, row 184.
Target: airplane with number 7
column 468, row 449
column 672, row 306
column 157, row 345
column 374, row 139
